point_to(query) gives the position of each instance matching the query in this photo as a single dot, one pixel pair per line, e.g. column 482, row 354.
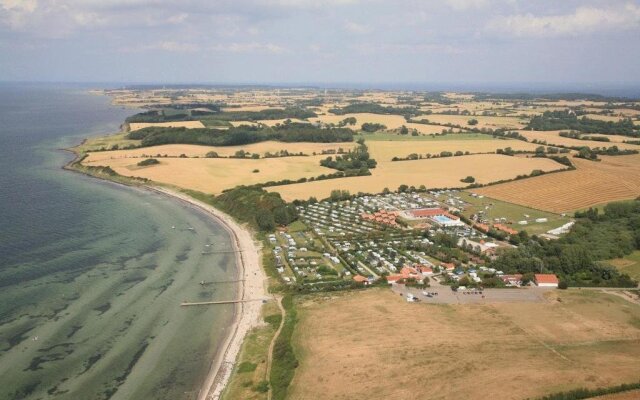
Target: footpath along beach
column 251, row 292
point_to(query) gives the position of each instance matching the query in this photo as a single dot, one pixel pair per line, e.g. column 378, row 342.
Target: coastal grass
column 353, row 345
column 249, row 376
column 284, row 362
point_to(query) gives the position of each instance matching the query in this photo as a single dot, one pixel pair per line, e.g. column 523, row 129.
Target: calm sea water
column 92, row 273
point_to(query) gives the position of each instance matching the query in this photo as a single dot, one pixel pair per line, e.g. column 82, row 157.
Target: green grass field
column 513, row 213
column 629, row 264
column 247, row 381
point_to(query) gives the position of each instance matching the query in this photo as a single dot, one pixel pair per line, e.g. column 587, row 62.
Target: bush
column 246, row 367
column 563, row 285
column 148, row 161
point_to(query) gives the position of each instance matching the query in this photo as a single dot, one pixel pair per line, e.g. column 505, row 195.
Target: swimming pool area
column 441, row 219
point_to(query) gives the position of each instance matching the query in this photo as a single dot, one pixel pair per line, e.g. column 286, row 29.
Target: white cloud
column 584, row 20
column 166, row 46
column 251, row 47
column 466, row 4
column 15, row 13
column 356, row 28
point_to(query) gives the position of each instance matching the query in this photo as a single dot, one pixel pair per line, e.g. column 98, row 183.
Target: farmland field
column 390, row 121
column 483, row 122
column 553, row 138
column 433, row 173
column 374, row 345
column 213, row 175
column 592, row 183
column 134, row 126
column 385, row 151
column 192, row 150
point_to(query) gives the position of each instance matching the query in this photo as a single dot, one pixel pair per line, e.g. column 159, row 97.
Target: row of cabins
column 383, row 217
column 501, row 227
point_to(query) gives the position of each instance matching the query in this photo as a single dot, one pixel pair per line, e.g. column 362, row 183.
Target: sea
column 92, row 273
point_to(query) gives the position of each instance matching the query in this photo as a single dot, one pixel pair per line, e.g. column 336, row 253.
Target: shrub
column 148, row 161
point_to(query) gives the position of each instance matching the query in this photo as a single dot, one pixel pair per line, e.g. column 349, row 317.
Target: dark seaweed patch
column 182, row 257
column 164, row 287
column 103, row 308
column 121, row 378
column 24, row 391
column 89, row 363
column 37, row 361
column 74, row 329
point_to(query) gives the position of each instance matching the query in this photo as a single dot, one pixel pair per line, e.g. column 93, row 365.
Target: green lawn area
column 297, row 226
column 513, row 213
column 211, row 122
column 387, row 136
column 629, row 264
column 250, row 370
column 107, row 142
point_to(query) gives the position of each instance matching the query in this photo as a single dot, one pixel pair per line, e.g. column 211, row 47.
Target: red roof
column 360, row 278
column 394, row 278
column 427, row 212
column 546, row 278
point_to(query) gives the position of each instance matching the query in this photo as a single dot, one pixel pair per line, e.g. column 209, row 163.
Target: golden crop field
column 373, row 345
column 134, row 126
column 554, row 138
column 213, row 175
column 390, row 121
column 434, row 173
column 592, row 183
column 386, row 150
column 192, row 150
column 603, row 117
column 483, row 122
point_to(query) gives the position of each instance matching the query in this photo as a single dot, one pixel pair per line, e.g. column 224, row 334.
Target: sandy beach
column 252, row 291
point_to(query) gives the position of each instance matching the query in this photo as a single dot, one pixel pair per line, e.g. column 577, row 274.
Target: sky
column 296, row 41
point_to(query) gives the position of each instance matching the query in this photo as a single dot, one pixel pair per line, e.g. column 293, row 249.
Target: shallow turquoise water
column 92, row 273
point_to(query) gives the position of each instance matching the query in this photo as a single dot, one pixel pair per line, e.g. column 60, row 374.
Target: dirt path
column 273, row 343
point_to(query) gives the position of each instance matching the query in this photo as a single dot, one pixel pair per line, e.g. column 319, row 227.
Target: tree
column 404, row 130
column 472, row 121
column 468, row 179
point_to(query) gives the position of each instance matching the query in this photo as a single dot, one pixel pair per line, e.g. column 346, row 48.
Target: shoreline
column 251, row 284
column 252, row 289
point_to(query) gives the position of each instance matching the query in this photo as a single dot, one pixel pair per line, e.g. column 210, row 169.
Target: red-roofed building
column 361, row 279
column 546, row 280
column 394, row 278
column 506, row 229
column 448, row 266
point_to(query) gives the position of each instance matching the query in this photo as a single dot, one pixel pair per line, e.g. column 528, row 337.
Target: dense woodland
column 374, row 108
column 293, row 132
column 577, row 257
column 561, row 120
column 354, row 163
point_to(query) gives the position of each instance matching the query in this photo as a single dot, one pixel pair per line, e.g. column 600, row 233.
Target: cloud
column 466, row 4
column 585, row 20
column 165, row 46
column 356, row 28
column 15, row 13
column 251, row 47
